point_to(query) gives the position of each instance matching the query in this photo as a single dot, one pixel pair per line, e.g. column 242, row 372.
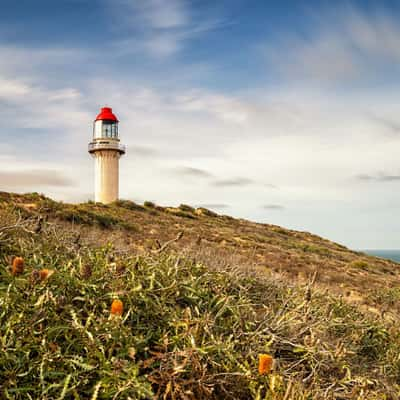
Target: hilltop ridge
column 264, row 249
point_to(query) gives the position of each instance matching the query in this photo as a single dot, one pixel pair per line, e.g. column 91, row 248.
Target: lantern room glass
column 110, row 129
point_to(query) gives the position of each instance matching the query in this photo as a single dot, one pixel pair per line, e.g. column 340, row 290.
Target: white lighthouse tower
column 106, row 150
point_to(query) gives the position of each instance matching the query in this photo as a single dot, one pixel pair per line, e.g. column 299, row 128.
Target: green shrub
column 129, row 205
column 386, row 296
column 81, row 215
column 310, row 248
column 179, row 213
column 281, row 231
column 361, row 264
column 374, row 342
column 205, row 212
column 185, row 207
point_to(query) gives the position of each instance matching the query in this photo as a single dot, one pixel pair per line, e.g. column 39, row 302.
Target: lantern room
column 105, row 125
column 105, row 133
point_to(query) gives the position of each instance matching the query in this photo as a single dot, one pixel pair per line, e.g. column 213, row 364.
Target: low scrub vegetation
column 149, row 204
column 361, row 264
column 179, row 212
column 129, row 205
column 185, row 207
column 92, row 322
column 81, row 215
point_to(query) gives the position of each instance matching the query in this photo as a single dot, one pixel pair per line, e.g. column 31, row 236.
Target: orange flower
column 117, row 307
column 35, row 276
column 265, row 363
column 45, row 273
column 17, row 266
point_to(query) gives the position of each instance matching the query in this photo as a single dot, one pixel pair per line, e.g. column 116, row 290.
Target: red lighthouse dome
column 106, row 114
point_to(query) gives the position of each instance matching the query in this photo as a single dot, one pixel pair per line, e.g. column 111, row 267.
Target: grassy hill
column 203, row 296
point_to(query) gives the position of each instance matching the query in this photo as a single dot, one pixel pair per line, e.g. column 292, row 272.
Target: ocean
column 389, row 254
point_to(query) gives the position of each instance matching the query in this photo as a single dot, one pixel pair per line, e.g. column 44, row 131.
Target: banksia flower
column 86, row 271
column 35, row 276
column 120, row 268
column 53, row 347
column 117, row 307
column 265, row 363
column 61, row 302
column 45, row 273
column 17, row 266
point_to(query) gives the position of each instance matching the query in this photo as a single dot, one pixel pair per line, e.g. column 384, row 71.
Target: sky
column 282, row 112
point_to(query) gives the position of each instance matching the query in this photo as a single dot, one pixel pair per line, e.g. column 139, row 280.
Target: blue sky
column 283, row 112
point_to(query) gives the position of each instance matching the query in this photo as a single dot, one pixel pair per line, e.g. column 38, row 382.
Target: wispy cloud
column 276, row 207
column 160, row 14
column 270, row 185
column 34, row 179
column 349, row 44
column 143, row 151
column 12, row 89
column 226, row 108
column 381, row 177
column 390, row 125
column 160, row 28
column 193, row 172
column 214, row 206
column 30, row 98
column 155, row 27
column 389, row 178
column 364, row 177
column 239, row 181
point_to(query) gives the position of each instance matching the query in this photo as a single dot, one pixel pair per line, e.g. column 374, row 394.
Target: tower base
column 106, row 169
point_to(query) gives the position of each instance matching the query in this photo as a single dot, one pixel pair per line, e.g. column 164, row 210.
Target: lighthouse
column 106, row 151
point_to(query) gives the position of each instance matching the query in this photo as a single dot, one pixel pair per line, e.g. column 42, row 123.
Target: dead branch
column 166, row 244
column 20, row 224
